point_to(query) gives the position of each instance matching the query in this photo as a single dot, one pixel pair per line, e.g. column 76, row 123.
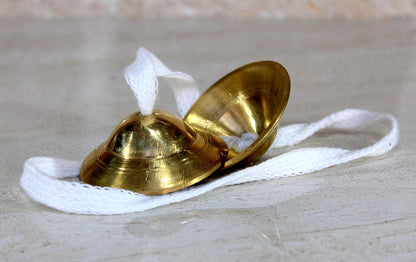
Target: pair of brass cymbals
column 161, row 153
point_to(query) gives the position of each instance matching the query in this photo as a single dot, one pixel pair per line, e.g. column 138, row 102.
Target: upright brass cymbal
column 252, row 99
column 154, row 154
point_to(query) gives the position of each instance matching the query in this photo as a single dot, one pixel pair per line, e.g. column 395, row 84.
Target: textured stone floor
column 62, row 92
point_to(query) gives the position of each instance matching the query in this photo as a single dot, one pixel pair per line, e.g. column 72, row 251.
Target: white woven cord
column 44, row 178
column 142, row 75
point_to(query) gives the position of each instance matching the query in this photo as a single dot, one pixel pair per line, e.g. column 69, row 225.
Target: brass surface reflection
column 154, row 154
column 252, row 98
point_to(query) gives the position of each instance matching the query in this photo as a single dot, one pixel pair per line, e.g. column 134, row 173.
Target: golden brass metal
column 154, row 154
column 160, row 153
column 251, row 98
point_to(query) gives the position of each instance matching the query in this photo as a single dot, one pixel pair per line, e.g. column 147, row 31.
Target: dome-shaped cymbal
column 154, row 154
column 250, row 99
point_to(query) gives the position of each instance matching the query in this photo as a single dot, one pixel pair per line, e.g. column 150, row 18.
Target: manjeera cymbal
column 250, row 99
column 154, row 154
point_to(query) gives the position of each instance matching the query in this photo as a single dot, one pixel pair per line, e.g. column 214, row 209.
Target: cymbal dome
column 146, row 136
column 154, row 154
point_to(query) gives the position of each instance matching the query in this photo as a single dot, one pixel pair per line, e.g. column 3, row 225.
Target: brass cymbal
column 154, row 154
column 252, row 99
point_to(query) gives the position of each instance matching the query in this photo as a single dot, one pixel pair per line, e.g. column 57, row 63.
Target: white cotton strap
column 142, row 75
column 348, row 120
column 239, row 144
column 42, row 177
column 306, row 160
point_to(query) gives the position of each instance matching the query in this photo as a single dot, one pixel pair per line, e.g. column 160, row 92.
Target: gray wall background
column 274, row 9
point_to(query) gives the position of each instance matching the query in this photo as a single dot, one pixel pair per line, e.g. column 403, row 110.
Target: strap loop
column 142, row 75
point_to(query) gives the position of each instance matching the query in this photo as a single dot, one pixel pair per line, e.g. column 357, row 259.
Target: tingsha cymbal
column 250, row 99
column 154, row 154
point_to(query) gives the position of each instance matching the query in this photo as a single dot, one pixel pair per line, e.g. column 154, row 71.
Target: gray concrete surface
column 62, row 92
